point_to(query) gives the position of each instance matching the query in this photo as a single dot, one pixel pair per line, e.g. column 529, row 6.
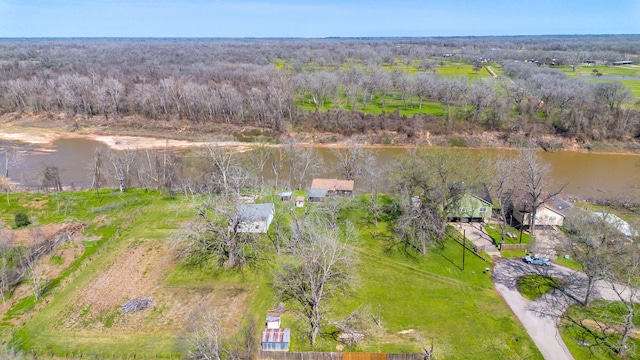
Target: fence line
column 285, row 355
column 515, row 246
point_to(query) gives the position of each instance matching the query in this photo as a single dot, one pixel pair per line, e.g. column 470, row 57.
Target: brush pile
column 136, row 304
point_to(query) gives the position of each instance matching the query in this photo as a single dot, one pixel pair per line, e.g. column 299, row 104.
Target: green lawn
column 587, row 69
column 418, row 298
column 534, row 286
column 494, row 231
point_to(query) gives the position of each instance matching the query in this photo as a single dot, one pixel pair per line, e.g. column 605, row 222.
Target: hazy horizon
column 308, row 19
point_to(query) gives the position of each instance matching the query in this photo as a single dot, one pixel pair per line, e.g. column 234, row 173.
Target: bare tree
column 218, row 233
column 303, row 162
column 7, row 187
column 222, row 160
column 590, row 240
column 324, row 267
column 503, row 187
column 624, row 282
column 439, row 177
column 160, row 169
column 97, row 176
column 6, row 242
column 353, row 160
column 257, row 159
column 205, row 338
column 419, row 227
column 123, row 167
column 535, row 183
column 613, row 94
column 50, row 178
column 11, row 158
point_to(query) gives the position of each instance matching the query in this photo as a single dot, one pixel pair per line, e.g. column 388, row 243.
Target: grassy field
column 585, row 343
column 588, row 69
column 128, row 252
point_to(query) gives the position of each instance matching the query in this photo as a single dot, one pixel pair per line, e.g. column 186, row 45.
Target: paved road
column 538, row 317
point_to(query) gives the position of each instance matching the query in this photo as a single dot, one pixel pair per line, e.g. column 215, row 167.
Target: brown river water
column 597, row 176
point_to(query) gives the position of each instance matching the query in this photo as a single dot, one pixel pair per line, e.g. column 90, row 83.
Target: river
column 599, row 176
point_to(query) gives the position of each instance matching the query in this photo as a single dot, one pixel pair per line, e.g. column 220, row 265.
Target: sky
column 318, row 18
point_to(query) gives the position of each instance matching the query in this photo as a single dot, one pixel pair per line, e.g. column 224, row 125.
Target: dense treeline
column 261, row 82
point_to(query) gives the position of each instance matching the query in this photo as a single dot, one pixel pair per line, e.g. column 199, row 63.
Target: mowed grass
column 420, row 298
column 493, row 230
column 587, row 69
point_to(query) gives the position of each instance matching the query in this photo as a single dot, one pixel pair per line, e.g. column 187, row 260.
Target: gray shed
column 317, row 195
column 255, row 218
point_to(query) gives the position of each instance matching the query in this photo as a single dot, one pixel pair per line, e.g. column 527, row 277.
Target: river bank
column 122, row 136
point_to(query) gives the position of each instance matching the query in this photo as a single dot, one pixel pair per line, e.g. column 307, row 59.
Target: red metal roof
column 332, row 184
column 276, row 336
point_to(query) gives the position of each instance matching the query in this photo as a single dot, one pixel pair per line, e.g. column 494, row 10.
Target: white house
column 618, row 223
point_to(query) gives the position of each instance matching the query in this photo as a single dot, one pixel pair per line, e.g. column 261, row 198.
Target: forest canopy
column 407, row 86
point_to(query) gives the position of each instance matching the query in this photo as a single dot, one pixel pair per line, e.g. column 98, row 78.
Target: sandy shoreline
column 46, row 136
column 43, row 136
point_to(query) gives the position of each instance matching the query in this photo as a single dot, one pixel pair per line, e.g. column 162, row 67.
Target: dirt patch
column 610, row 329
column 133, row 274
column 549, row 242
column 34, row 235
column 140, row 272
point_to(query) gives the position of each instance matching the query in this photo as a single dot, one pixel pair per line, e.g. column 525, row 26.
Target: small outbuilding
column 273, row 321
column 300, row 201
column 276, row 339
column 286, row 195
column 317, row 195
column 255, row 218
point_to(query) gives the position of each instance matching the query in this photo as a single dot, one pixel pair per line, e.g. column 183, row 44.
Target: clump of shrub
column 21, row 219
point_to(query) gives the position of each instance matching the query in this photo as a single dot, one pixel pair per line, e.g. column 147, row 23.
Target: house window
column 483, row 209
column 553, row 218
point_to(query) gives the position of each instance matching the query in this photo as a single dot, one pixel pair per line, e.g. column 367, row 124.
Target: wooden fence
column 285, row 355
column 512, row 247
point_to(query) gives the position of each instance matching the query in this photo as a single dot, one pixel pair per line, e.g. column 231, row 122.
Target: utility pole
column 464, row 239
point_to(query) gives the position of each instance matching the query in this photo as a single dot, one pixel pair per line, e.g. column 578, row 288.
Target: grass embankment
column 418, row 298
column 534, row 286
column 598, row 325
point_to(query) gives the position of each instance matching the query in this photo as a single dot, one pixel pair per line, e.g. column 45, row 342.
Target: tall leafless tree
column 323, row 268
column 123, row 171
column 535, row 184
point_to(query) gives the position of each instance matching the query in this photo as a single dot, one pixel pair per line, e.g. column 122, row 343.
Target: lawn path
column 417, row 270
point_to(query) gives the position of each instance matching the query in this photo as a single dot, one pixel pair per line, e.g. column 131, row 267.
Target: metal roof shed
column 276, row 339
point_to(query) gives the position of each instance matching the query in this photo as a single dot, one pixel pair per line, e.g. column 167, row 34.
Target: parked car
column 537, row 260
